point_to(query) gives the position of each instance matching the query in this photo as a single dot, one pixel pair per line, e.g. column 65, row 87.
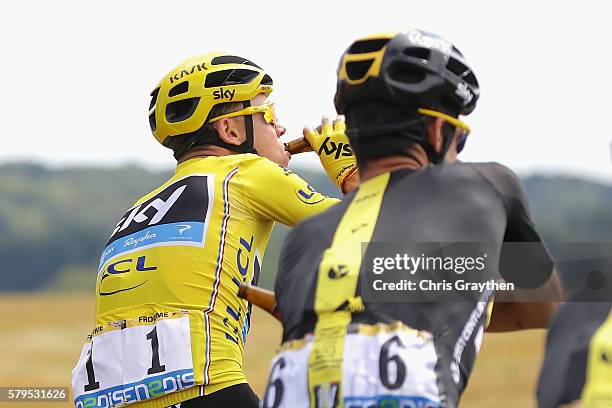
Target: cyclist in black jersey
column 402, row 95
column 579, row 347
column 577, row 366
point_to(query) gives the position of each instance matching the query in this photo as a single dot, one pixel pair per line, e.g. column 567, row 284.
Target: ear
column 434, row 134
column 229, row 131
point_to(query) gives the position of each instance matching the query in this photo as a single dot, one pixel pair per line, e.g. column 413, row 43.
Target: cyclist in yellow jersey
column 169, row 325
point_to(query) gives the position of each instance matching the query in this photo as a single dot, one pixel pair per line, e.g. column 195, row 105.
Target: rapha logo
column 182, row 228
column 134, row 242
column 139, row 214
column 464, row 92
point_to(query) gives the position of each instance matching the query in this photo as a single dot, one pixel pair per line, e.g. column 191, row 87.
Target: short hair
column 380, row 129
column 378, row 147
column 369, row 127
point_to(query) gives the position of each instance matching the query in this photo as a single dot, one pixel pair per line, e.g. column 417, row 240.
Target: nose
column 280, row 130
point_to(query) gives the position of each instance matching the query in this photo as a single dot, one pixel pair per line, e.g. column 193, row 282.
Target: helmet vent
column 362, row 47
column 153, row 98
column 358, row 69
column 232, row 59
column 230, row 77
column 405, row 72
column 152, row 122
column 470, row 78
column 266, row 80
column 417, row 52
column 179, row 89
column 181, row 110
column 458, row 68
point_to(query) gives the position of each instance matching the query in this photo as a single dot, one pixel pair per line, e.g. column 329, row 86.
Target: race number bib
column 383, row 365
column 134, row 360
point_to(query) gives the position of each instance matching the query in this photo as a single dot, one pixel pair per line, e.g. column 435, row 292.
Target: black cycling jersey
column 563, row 374
column 460, row 202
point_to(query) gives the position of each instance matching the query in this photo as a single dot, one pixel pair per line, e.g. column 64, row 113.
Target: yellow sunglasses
column 267, row 109
column 465, row 129
column 453, row 121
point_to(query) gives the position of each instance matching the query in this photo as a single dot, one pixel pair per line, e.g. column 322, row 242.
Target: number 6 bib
column 382, row 366
column 136, row 360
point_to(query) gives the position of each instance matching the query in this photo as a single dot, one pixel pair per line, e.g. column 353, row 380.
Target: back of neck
column 415, row 160
column 206, row 151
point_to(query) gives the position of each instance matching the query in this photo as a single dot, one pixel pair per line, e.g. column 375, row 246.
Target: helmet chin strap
column 249, row 144
column 447, row 137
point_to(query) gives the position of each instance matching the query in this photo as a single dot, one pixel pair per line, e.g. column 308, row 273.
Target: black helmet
column 412, row 70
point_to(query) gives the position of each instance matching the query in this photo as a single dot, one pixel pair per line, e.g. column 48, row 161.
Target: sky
column 76, row 75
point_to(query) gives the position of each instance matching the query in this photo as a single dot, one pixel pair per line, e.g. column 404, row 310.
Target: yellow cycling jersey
column 597, row 390
column 177, row 257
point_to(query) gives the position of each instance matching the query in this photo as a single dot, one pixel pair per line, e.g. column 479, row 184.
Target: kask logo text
column 185, row 72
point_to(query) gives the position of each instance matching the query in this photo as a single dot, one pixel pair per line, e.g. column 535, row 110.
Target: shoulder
column 501, row 177
column 256, row 172
column 249, row 161
column 496, row 173
column 261, row 170
column 244, row 162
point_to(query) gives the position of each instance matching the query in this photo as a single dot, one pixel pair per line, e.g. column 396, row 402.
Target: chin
column 282, row 159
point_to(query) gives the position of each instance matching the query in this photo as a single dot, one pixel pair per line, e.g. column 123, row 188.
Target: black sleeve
column 294, row 279
column 520, row 227
column 524, row 259
column 287, row 260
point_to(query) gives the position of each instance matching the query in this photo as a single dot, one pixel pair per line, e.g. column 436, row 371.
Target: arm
column 352, row 182
column 262, row 298
column 275, row 193
column 524, row 260
column 510, row 313
column 278, row 194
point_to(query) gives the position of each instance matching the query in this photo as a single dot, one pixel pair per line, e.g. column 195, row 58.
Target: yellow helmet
column 182, row 101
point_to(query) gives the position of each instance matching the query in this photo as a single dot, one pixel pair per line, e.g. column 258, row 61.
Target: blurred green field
column 41, row 337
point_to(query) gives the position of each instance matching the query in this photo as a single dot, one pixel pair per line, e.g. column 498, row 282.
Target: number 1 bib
column 137, row 359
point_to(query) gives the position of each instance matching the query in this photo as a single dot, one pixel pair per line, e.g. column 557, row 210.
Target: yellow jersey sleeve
column 275, row 193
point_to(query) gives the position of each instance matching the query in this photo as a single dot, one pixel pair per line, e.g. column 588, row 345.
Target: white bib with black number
column 382, row 366
column 123, row 364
